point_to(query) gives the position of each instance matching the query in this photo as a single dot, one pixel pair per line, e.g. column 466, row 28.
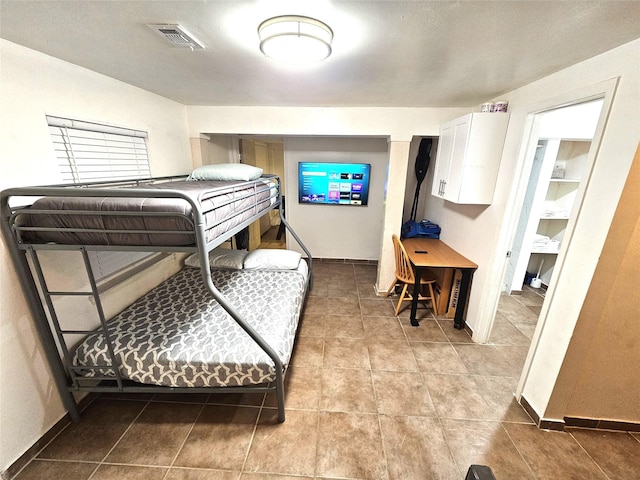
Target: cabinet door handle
column 444, row 186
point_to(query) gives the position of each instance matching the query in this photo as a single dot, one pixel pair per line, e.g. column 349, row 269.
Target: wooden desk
column 438, row 254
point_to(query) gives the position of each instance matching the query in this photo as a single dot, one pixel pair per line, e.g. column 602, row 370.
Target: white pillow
column 274, row 259
column 219, row 258
column 226, row 171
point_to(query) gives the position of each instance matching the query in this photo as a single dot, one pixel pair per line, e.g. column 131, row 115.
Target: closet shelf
column 565, row 180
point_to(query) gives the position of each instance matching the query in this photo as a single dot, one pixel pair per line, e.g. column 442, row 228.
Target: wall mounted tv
column 333, row 183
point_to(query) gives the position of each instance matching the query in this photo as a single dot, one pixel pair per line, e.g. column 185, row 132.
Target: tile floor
column 368, row 397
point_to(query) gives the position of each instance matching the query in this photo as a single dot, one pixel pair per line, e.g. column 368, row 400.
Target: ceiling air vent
column 176, row 35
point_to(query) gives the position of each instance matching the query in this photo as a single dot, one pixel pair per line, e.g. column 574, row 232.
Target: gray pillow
column 219, row 258
column 272, row 259
column 226, row 171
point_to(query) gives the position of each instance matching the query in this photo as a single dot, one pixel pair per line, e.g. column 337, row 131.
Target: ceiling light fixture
column 295, row 39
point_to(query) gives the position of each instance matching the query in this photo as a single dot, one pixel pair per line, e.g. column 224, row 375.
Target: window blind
column 88, row 152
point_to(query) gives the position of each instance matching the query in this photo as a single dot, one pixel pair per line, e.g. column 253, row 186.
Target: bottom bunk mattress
column 177, row 335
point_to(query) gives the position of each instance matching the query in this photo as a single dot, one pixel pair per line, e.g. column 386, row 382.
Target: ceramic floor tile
column 130, row 472
column 157, row 434
column 387, row 328
column 344, row 288
column 100, row 427
column 527, row 329
column 200, row 474
column 268, row 476
column 530, row 296
column 301, row 388
column 271, row 449
column 427, row 331
column 173, row 397
column 315, row 304
column 485, row 443
column 312, row 325
column 349, row 326
column 423, row 312
column 498, row 392
column 308, row 352
column 416, row 449
column 457, row 396
column 453, row 334
column 350, row 446
column 535, row 310
column 552, row 455
column 499, row 360
column 347, row 390
column 437, row 358
column 617, row 453
column 320, row 287
column 515, row 311
column 220, row 438
column 56, row 470
column 504, row 332
column 377, row 307
column 391, row 355
column 367, row 290
column 365, row 270
column 402, row 393
column 247, row 399
column 342, row 306
column 346, row 353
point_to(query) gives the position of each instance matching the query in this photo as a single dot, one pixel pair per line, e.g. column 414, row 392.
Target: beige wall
column 331, row 231
column 31, row 86
column 600, row 376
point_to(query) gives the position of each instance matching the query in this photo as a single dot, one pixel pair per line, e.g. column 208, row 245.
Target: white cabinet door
column 443, row 162
column 468, row 158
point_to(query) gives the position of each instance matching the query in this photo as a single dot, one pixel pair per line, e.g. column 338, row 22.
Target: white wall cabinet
column 468, row 158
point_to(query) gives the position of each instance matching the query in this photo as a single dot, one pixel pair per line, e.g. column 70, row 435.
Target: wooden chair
column 406, row 276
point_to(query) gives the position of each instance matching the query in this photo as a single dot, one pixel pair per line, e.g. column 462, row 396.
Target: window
column 89, row 152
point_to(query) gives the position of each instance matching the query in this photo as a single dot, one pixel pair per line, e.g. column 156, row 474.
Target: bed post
column 23, row 271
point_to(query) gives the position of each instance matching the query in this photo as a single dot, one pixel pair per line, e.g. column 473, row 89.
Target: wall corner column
column 393, row 207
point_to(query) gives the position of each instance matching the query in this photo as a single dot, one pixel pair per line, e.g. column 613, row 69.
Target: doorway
column 267, row 154
column 558, row 168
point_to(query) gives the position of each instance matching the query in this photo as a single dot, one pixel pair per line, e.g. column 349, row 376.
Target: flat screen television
column 333, row 183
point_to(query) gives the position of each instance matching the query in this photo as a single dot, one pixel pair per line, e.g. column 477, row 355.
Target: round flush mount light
column 295, row 39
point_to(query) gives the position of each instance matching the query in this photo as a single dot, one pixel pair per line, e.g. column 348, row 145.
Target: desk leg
column 416, row 294
column 458, row 321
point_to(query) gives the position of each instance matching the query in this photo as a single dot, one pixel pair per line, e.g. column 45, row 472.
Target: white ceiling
column 385, row 53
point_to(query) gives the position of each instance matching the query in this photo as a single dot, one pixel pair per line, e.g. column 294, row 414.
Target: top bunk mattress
column 139, row 220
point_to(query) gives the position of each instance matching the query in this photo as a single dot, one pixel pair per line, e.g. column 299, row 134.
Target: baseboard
column 593, row 423
column 602, row 424
column 345, row 260
column 544, row 424
column 43, row 441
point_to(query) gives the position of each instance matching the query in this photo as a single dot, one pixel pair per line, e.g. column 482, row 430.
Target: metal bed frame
column 40, row 298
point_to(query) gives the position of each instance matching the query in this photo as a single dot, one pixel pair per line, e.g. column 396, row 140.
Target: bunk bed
column 204, row 329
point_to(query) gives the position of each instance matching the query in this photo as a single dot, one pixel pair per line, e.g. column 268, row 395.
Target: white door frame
column 603, row 90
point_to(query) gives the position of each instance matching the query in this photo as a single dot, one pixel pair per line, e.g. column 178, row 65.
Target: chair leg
column 395, row 282
column 402, row 297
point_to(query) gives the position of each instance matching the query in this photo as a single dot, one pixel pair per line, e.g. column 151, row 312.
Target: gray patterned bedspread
column 178, row 336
